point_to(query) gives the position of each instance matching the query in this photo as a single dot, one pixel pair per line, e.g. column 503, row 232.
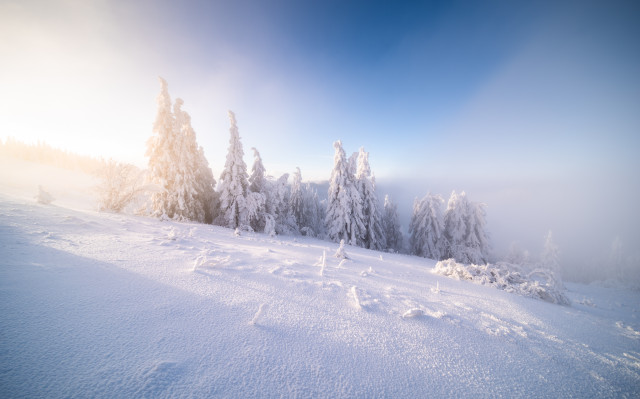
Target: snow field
column 107, row 305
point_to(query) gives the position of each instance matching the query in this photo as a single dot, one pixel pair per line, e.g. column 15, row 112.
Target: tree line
column 257, row 202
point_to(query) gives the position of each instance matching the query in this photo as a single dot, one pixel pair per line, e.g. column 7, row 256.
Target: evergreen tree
column 466, row 239
column 160, row 150
column 205, row 187
column 426, row 228
column 198, row 175
column 343, row 219
column 297, row 198
column 550, row 254
column 258, row 178
column 455, row 227
column 312, row 223
column 372, row 237
column 391, row 225
column 236, row 206
column 178, row 166
column 184, row 193
column 285, row 221
column 261, row 186
column 477, row 238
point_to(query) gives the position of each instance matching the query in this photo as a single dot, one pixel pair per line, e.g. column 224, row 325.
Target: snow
column 109, row 305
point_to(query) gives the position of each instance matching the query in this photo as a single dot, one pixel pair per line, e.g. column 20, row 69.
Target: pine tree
column 235, row 210
column 312, row 223
column 426, row 228
column 199, row 181
column 297, row 198
column 477, row 239
column 391, row 225
column 178, row 166
column 259, row 185
column 160, row 150
column 455, row 227
column 466, row 239
column 343, row 219
column 372, row 237
column 258, row 178
column 184, row 193
column 285, row 221
column 205, row 188
column 550, row 254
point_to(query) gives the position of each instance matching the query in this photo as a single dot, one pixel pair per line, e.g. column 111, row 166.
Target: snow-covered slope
column 104, row 305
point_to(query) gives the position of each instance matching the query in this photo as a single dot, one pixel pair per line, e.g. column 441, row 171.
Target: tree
column 372, row 236
column 120, row 184
column 312, row 222
column 237, row 207
column 550, row 254
column 178, row 166
column 285, row 221
column 455, row 227
column 205, row 188
column 258, row 178
column 297, row 197
column 343, row 219
column 259, row 185
column 477, row 238
column 391, row 225
column 161, row 152
column 184, row 191
column 465, row 237
column 199, row 183
column 426, row 227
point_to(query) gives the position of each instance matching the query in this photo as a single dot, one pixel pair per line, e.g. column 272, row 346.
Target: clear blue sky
column 511, row 100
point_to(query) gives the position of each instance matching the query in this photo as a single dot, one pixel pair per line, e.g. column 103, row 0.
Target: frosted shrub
column 340, row 253
column 120, row 185
column 539, row 284
column 43, row 197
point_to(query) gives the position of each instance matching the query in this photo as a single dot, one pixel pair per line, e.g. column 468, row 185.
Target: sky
column 530, row 107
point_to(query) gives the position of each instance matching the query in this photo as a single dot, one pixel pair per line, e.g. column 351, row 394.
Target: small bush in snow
column 43, row 197
column 539, row 284
column 340, row 253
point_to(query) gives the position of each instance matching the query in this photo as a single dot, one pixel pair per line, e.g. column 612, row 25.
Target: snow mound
column 502, row 275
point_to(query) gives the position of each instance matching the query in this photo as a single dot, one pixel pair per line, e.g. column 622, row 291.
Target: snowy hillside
column 106, row 305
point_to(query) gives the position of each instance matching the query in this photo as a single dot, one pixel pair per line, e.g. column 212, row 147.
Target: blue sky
column 508, row 100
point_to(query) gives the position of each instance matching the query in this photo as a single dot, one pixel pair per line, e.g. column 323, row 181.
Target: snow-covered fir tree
column 259, row 185
column 258, row 178
column 477, row 239
column 426, row 228
column 550, row 258
column 206, row 187
column 161, row 152
column 297, row 197
column 455, row 227
column 372, row 237
column 466, row 239
column 312, row 222
column 198, row 174
column 184, row 193
column 391, row 225
column 285, row 221
column 343, row 219
column 178, row 166
column 237, row 204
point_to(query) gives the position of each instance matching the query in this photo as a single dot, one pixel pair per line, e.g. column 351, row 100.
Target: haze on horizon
column 530, row 108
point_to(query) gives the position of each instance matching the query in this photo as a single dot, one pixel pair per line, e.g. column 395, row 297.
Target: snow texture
column 108, row 305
